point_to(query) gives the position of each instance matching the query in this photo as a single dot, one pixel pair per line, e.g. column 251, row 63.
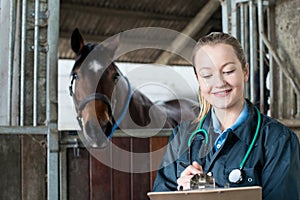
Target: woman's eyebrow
column 204, row 68
column 228, row 63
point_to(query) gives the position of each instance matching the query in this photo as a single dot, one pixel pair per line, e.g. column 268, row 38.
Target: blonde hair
column 213, row 39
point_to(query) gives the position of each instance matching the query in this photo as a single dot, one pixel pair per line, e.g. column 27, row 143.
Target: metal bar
column 246, row 43
column 242, row 25
column 253, row 57
column 52, row 61
column 53, row 184
column 274, row 69
column 23, row 62
column 265, row 2
column 12, row 21
column 280, row 96
column 261, row 56
column 225, row 24
column 52, row 163
column 63, row 174
column 70, row 141
column 36, row 61
column 15, row 100
column 24, row 130
column 243, row 38
column 291, row 103
column 233, row 12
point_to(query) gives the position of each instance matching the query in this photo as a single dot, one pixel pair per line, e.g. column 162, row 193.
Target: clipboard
column 243, row 193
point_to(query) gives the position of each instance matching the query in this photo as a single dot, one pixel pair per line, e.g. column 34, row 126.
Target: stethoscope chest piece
column 235, row 176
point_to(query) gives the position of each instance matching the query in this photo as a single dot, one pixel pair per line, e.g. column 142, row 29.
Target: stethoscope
column 236, row 175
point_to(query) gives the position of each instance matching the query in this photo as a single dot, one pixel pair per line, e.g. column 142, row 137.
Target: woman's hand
column 185, row 177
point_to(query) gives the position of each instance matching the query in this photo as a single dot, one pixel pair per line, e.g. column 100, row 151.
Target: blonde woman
column 230, row 139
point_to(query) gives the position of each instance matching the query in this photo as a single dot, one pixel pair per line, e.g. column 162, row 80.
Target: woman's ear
column 246, row 72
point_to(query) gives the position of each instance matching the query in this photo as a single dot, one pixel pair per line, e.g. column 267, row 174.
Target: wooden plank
column 156, row 143
column 10, row 168
column 100, row 180
column 78, row 175
column 140, row 181
column 121, row 180
column 33, row 158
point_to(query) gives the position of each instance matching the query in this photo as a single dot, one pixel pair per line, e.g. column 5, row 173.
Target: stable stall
column 41, row 153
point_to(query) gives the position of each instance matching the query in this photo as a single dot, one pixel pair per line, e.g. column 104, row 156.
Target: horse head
column 92, row 70
column 103, row 96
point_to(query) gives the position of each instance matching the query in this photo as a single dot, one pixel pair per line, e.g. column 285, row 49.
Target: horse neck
column 139, row 101
column 139, row 108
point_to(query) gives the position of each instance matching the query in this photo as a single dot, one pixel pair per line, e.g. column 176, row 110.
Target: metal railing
column 252, row 22
column 44, row 108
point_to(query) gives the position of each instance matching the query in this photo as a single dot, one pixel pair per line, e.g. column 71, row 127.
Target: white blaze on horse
column 105, row 101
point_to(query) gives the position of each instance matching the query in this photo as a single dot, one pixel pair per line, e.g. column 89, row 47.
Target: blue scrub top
column 274, row 163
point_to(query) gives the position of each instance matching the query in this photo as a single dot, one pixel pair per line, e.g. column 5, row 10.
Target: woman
column 227, row 127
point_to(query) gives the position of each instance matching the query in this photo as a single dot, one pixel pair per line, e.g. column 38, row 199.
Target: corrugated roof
column 100, row 19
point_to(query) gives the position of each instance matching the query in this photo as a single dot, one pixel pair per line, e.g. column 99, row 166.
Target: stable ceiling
column 98, row 20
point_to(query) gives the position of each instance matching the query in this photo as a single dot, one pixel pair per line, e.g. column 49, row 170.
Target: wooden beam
column 119, row 13
column 191, row 29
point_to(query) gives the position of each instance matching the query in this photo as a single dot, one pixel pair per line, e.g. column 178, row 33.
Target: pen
column 183, row 164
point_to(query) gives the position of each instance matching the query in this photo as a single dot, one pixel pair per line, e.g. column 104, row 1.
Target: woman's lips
column 222, row 93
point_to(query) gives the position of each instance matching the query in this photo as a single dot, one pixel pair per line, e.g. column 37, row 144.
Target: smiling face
column 221, row 76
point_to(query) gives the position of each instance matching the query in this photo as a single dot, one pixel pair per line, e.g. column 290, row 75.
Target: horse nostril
column 94, row 135
column 106, row 127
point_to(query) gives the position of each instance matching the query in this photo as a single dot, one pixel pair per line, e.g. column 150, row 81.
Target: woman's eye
column 206, row 75
column 228, row 72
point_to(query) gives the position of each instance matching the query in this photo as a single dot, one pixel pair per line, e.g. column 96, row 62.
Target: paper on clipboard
column 243, row 193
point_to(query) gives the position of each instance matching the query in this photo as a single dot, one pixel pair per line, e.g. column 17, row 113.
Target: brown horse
column 104, row 98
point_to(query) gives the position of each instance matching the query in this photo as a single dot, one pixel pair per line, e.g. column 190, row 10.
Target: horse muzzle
column 93, row 135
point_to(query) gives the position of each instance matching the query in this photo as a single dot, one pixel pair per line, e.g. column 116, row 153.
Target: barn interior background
column 39, row 161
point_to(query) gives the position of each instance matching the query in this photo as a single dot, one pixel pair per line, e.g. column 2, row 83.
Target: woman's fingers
column 195, row 168
column 184, row 182
column 185, row 177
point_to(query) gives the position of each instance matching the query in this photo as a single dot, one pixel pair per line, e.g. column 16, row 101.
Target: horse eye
column 76, row 76
column 116, row 76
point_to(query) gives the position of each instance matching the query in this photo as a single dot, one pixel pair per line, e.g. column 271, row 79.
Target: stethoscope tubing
column 201, row 130
column 253, row 140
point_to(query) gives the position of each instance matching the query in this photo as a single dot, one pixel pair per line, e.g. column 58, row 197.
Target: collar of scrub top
column 222, row 135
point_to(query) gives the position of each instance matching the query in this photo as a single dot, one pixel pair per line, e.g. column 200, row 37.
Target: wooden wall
column 23, row 167
column 89, row 179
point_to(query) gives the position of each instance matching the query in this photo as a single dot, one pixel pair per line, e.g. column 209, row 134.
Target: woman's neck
column 227, row 117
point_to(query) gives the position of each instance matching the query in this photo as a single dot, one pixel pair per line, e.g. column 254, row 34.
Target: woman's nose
column 219, row 81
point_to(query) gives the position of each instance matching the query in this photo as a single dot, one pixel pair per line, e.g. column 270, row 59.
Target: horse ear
column 77, row 41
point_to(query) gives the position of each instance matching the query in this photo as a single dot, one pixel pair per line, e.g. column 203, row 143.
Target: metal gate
column 253, row 23
column 28, row 115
